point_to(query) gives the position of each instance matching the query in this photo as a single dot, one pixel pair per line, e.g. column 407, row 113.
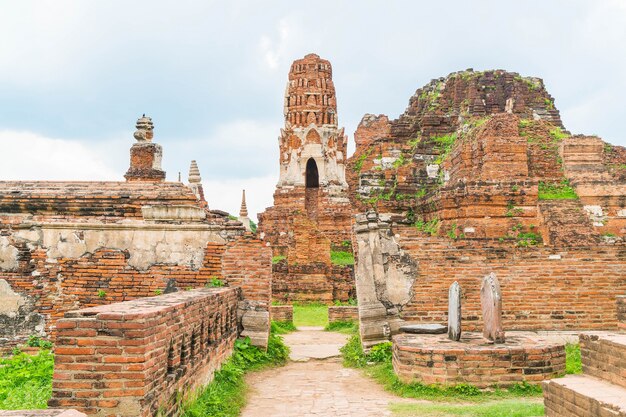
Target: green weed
column 341, row 258
column 557, row 191
column 26, row 381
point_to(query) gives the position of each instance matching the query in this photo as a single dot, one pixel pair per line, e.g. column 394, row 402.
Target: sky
column 76, row 74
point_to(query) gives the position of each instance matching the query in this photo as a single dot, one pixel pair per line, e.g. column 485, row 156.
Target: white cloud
column 274, row 52
column 29, row 156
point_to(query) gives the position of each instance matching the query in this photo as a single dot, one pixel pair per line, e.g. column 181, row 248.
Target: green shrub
column 556, row 191
column 102, row 293
column 283, row 327
column 341, row 258
column 431, row 227
column 26, row 381
column 573, row 362
column 215, row 282
column 348, row 327
column 35, row 341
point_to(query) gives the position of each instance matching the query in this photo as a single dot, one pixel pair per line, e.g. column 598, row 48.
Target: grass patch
column 348, row 327
column 377, row 365
column 276, row 259
column 557, row 191
column 283, row 327
column 313, row 314
column 225, row 395
column 341, row 258
column 573, row 362
column 511, row 408
column 26, row 381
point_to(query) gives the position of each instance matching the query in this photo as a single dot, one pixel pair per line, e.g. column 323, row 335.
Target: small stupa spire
column 243, row 212
column 194, row 173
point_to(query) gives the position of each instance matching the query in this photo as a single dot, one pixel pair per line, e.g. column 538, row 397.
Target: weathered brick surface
column 343, row 313
column 281, row 313
column 581, row 396
column 621, row 312
column 434, row 359
column 542, row 288
column 135, row 358
column 604, row 357
column 312, row 282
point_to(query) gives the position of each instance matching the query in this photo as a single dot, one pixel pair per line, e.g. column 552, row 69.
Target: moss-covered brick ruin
column 478, row 181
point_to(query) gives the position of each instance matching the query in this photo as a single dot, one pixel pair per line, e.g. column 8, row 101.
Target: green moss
column 557, row 191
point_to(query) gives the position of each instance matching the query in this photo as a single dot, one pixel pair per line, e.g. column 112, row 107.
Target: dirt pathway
column 315, row 383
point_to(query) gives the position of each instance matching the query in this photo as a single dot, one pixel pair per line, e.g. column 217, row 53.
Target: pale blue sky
column 75, row 75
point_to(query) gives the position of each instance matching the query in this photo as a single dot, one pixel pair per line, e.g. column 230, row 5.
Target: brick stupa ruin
column 312, row 212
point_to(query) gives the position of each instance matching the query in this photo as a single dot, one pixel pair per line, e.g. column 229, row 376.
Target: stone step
column 604, row 356
column 583, row 396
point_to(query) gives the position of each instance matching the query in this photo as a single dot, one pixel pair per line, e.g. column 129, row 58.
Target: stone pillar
column 145, row 156
column 384, row 278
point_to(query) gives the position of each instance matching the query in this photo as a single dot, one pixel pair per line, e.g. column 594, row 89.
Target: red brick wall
column 281, row 313
column 576, row 291
column 313, row 282
column 343, row 313
column 136, row 357
column 247, row 263
column 68, row 284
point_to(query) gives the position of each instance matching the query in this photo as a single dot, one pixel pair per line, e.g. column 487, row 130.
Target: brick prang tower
column 311, row 214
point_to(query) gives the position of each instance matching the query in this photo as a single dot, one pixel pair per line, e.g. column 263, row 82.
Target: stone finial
column 145, row 129
column 243, row 211
column 194, row 173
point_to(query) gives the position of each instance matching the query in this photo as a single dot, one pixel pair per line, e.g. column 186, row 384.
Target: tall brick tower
column 311, row 215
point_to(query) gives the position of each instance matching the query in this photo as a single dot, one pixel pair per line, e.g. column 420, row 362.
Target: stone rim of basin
column 424, row 328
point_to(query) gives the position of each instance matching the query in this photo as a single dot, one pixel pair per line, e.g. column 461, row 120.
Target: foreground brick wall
column 603, row 355
column 621, row 312
column 343, row 313
column 103, row 277
column 138, row 357
column 542, row 288
column 247, row 263
column 434, row 359
column 42, row 413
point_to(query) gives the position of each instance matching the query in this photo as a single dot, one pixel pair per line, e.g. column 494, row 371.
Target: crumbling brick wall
column 139, row 357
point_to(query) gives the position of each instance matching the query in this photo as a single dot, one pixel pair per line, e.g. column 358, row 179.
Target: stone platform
column 601, row 391
column 435, row 359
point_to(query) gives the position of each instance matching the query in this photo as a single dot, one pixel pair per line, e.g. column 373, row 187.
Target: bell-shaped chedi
column 145, row 156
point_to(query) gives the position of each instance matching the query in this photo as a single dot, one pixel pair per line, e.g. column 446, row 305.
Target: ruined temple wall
column 138, row 358
column 79, row 267
column 313, row 282
column 542, row 288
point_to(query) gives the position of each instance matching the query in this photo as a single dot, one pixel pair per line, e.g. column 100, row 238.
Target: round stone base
column 435, row 359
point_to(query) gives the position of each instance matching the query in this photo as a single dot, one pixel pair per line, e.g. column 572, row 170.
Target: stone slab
column 491, row 303
column 423, row 328
column 454, row 312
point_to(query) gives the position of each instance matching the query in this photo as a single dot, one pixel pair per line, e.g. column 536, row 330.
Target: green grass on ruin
column 342, row 258
column 377, row 365
column 556, row 191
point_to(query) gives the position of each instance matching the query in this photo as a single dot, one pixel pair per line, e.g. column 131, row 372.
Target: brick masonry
column 434, row 359
column 136, row 358
column 604, row 357
column 621, row 312
column 312, row 282
column 542, row 288
column 343, row 313
column 281, row 313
